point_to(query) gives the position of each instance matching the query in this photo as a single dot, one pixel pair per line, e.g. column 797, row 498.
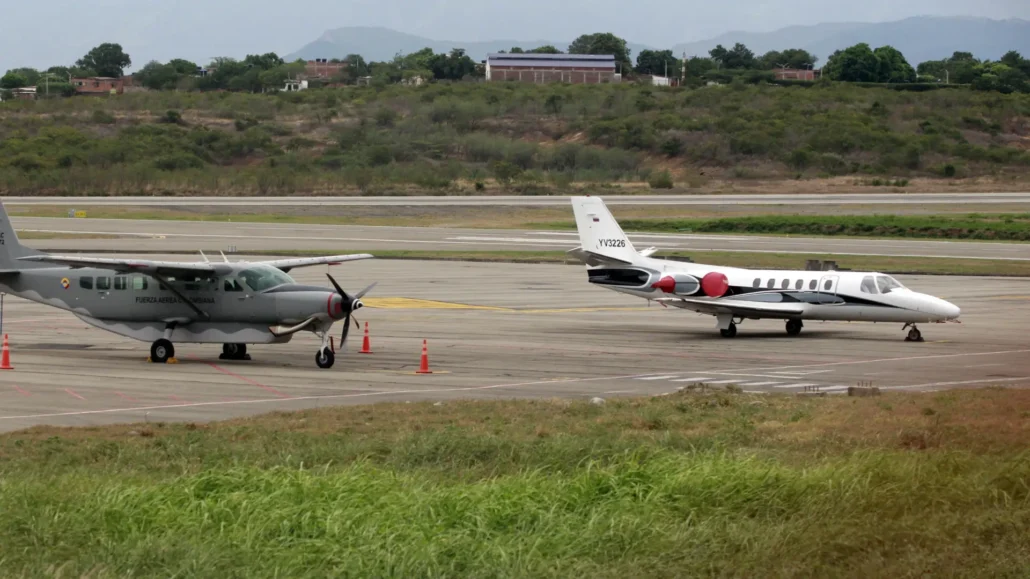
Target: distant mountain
column 919, row 39
column 378, row 44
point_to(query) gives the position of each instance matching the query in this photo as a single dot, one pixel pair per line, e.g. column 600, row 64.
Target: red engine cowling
column 679, row 284
column 715, row 284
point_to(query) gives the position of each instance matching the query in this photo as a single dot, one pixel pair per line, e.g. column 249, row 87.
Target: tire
column 325, row 358
column 914, row 335
column 794, row 327
column 161, row 351
column 234, row 352
column 729, row 332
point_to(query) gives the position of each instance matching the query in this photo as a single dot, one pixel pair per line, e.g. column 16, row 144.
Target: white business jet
column 734, row 294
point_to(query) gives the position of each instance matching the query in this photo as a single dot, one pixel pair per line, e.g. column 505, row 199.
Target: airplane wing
column 159, row 268
column 287, row 264
column 736, row 307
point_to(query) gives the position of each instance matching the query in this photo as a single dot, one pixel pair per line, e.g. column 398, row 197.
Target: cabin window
column 868, row 285
column 120, row 283
column 231, row 285
column 139, row 283
column 103, row 283
column 800, row 284
column 812, row 284
column 828, row 285
column 758, row 282
column 86, row 282
column 785, row 284
column 771, row 284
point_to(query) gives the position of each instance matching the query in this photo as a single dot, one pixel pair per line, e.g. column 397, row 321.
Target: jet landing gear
column 914, row 335
column 234, row 352
column 794, row 327
column 729, row 332
column 161, row 351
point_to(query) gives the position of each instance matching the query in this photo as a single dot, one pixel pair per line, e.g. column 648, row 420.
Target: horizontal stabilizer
column 593, row 259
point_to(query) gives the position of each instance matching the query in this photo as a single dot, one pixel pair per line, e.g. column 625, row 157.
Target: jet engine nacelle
column 679, row 284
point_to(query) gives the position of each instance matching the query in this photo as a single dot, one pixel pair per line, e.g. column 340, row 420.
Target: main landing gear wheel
column 729, row 332
column 794, row 327
column 161, row 351
column 914, row 335
column 234, row 352
column 324, row 358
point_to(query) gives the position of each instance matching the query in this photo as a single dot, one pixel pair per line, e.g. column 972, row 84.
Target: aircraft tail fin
column 599, row 233
column 10, row 248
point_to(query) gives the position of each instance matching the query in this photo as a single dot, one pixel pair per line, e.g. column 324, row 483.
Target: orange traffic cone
column 5, row 357
column 366, row 346
column 423, row 367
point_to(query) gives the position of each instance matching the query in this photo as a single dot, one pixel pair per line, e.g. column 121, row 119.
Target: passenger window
column 785, row 284
column 771, row 284
column 86, row 283
column 758, row 282
column 800, row 284
column 231, row 285
column 120, row 283
column 868, row 285
column 827, row 285
column 812, row 284
column 103, row 283
column 139, row 283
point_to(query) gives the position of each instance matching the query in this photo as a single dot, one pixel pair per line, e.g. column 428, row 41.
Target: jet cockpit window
column 868, row 285
column 86, row 282
column 263, row 277
column 887, row 283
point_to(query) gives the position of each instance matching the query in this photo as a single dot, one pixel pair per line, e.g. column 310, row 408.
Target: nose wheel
column 914, row 335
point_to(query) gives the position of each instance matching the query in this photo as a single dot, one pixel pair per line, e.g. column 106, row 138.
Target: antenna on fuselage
column 206, row 260
column 225, row 259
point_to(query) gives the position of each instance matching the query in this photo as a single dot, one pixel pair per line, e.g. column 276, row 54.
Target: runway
column 211, row 236
column 538, row 201
column 501, row 331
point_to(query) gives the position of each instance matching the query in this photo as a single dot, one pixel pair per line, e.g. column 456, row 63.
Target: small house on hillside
column 98, row 85
column 547, row 68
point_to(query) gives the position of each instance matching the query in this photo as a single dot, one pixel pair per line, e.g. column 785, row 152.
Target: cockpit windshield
column 263, row 277
column 887, row 283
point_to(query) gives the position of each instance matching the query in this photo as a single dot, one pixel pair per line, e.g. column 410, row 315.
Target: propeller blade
column 366, row 290
column 337, row 287
column 357, row 324
column 346, row 328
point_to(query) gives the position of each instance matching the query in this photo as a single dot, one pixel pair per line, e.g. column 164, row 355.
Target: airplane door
column 828, row 284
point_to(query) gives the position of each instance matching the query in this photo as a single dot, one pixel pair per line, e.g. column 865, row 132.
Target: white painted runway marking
column 960, row 383
column 693, row 380
column 754, row 384
column 795, row 385
column 873, row 361
column 658, row 377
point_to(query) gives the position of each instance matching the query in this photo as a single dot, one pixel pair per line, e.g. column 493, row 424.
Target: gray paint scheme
column 234, row 303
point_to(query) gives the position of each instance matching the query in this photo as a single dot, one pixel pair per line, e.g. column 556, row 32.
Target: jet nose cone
column 951, row 311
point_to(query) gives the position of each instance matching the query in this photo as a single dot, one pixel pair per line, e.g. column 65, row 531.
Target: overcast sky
column 42, row 33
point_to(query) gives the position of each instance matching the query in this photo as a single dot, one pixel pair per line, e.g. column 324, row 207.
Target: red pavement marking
column 20, row 390
column 247, row 380
column 127, row 397
column 72, row 392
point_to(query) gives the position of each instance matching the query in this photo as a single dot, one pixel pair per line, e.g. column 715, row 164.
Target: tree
column 266, row 61
column 453, row 66
column 959, row 68
column 31, row 75
column 738, row 57
column 602, row 43
column 105, row 60
column 516, row 50
column 855, row 64
column 794, row 58
column 658, row 62
column 546, row 49
column 356, row 68
column 13, row 80
column 893, row 67
column 698, row 66
column 157, row 76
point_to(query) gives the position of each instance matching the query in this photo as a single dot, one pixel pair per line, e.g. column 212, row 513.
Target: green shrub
column 101, row 117
column 661, row 180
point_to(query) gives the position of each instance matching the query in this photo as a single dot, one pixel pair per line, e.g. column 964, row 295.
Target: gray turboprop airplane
column 162, row 302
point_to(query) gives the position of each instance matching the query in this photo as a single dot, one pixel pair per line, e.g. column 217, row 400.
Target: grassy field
column 692, row 484
column 483, row 137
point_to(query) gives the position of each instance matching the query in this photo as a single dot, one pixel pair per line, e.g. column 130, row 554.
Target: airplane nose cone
column 357, row 305
column 943, row 309
column 951, row 311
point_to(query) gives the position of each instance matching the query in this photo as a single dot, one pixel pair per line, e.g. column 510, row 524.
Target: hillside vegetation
column 467, row 137
column 693, row 484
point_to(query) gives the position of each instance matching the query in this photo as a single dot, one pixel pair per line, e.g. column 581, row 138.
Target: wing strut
column 178, row 294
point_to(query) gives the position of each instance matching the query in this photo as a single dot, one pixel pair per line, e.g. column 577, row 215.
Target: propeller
column 349, row 304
